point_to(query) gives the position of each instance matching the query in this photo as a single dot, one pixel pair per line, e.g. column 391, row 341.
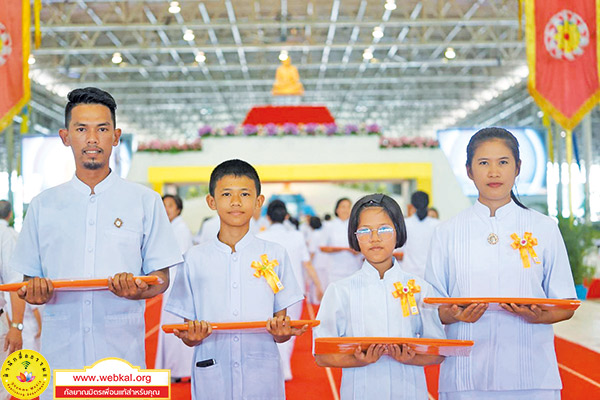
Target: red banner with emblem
column 14, row 56
column 562, row 53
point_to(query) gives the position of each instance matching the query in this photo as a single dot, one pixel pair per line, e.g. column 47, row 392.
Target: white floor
column 584, row 327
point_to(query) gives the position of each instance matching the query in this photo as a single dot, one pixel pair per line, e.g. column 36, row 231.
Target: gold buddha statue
column 287, row 80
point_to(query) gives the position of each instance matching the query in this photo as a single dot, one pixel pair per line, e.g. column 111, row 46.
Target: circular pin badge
column 492, row 238
column 25, row 374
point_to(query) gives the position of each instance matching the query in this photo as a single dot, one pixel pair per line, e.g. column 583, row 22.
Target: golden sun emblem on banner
column 565, row 35
column 5, row 44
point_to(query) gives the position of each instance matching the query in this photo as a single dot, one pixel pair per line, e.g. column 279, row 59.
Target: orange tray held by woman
column 347, row 345
column 566, row 304
column 334, row 249
column 226, row 326
column 77, row 284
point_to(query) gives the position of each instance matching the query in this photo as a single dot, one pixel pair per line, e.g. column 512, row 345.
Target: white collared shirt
column 509, row 353
column 364, row 305
column 342, row 263
column 418, row 240
column 69, row 233
column 8, row 240
column 217, row 285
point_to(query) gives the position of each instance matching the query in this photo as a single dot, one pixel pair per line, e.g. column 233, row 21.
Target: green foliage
column 579, row 239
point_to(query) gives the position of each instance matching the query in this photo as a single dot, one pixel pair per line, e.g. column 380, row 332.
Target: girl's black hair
column 315, row 222
column 420, row 200
column 391, row 208
column 495, row 133
column 176, row 199
column 337, row 204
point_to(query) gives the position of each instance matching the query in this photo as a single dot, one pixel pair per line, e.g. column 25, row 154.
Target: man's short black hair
column 391, row 208
column 5, row 209
column 236, row 168
column 89, row 95
column 277, row 211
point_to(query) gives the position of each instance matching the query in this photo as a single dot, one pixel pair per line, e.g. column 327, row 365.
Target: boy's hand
column 123, row 285
column 282, row 330
column 402, row 353
column 373, row 353
column 452, row 313
column 37, row 291
column 196, row 333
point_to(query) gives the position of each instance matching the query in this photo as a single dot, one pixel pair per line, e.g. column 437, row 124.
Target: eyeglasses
column 383, row 232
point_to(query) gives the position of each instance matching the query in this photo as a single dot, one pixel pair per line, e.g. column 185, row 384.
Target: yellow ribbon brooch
column 264, row 267
column 407, row 297
column 525, row 247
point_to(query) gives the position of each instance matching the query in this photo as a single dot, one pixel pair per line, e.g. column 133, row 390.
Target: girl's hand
column 373, row 353
column 452, row 313
column 196, row 333
column 402, row 354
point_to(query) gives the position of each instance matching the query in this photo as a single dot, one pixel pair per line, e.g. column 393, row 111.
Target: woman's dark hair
column 337, row 204
column 495, row 133
column 391, row 208
column 315, row 223
column 277, row 211
column 420, row 200
column 294, row 222
column 176, row 199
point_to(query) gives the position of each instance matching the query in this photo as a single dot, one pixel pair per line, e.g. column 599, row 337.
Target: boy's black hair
column 315, row 223
column 176, row 199
column 337, row 204
column 327, row 217
column 276, row 211
column 236, row 168
column 420, row 200
column 90, row 95
column 391, row 208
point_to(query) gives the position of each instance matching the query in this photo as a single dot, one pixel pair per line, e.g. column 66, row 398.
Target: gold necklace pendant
column 492, row 238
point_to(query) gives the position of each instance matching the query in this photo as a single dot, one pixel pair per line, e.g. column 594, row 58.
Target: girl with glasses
column 365, row 304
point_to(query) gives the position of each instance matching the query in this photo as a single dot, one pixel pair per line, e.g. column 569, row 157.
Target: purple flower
column 290, row 129
column 205, row 131
column 373, row 129
column 331, row 129
column 250, row 130
column 351, row 129
column 311, row 129
column 271, row 129
column 229, row 130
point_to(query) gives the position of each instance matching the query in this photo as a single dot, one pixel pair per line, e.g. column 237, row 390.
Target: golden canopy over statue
column 287, row 80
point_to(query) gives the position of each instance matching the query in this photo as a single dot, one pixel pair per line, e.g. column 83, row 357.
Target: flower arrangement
column 290, row 129
column 170, row 146
column 406, row 141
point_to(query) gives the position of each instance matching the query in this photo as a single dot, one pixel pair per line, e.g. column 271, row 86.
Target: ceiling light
column 188, row 35
column 31, row 60
column 390, row 5
column 377, row 32
column 450, row 54
column 116, row 58
column 368, row 54
column 283, row 55
column 174, row 7
column 200, row 57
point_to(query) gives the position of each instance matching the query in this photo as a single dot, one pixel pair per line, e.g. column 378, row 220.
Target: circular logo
column 25, row 374
column 566, row 35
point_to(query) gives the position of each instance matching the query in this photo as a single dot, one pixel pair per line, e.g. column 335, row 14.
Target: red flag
column 562, row 53
column 14, row 57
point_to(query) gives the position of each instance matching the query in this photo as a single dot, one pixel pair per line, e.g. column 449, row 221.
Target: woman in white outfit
column 171, row 352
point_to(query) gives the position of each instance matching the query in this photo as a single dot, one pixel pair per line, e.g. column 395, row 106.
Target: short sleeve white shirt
column 69, row 233
column 217, row 285
column 8, row 240
column 418, row 240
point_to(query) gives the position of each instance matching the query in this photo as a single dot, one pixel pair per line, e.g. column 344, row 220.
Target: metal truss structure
column 411, row 66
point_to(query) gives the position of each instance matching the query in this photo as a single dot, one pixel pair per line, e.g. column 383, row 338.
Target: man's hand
column 373, row 353
column 401, row 353
column 37, row 291
column 123, row 285
column 196, row 333
column 281, row 329
column 13, row 341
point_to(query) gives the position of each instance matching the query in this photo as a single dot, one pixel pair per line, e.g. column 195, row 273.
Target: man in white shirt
column 11, row 338
column 95, row 226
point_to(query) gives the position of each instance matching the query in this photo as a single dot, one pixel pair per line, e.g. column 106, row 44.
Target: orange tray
column 559, row 303
column 347, row 345
column 335, row 248
column 74, row 284
column 223, row 326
